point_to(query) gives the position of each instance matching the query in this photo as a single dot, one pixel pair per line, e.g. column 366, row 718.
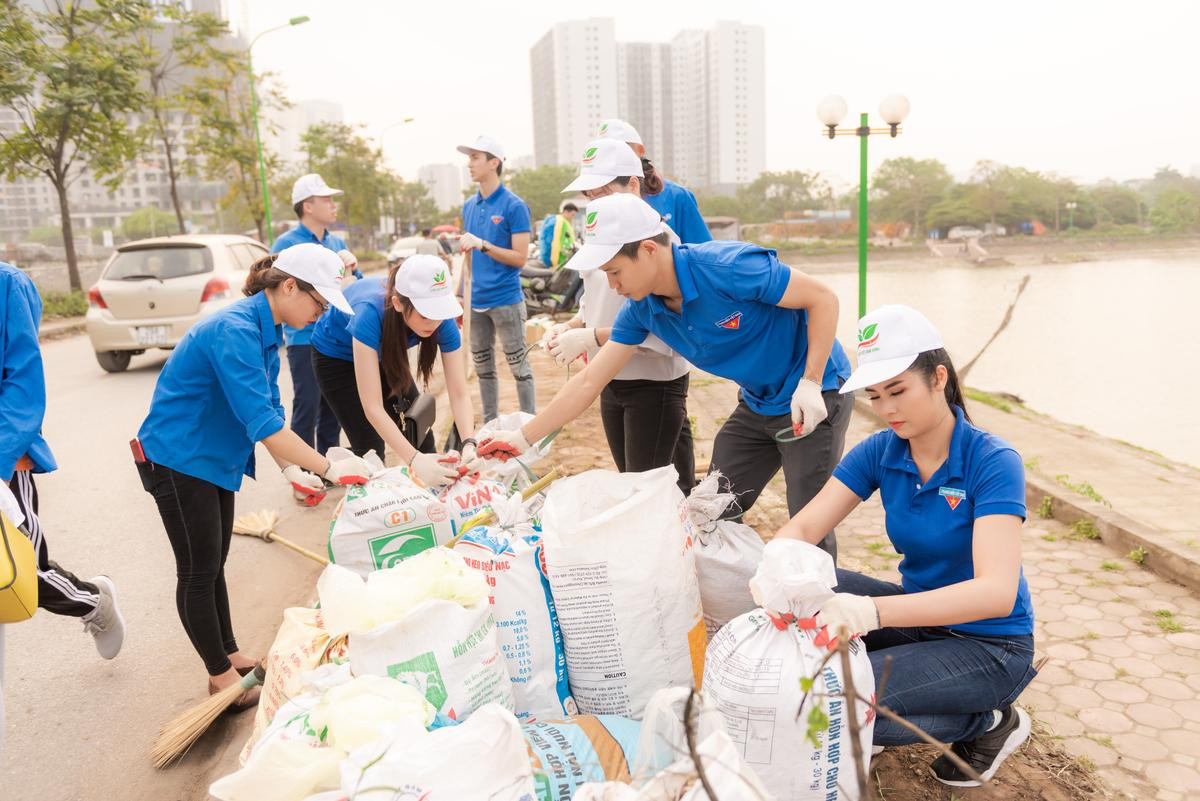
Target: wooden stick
column 316, row 557
column 488, row 516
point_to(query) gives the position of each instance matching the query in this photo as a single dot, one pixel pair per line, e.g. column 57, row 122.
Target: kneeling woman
column 959, row 627
column 362, row 365
column 217, row 395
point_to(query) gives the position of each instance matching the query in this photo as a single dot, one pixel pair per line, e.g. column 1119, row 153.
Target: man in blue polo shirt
column 730, row 308
column 497, row 237
column 312, row 419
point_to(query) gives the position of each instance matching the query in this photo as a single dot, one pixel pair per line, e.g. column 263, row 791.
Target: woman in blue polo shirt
column 959, row 627
column 362, row 363
column 218, row 395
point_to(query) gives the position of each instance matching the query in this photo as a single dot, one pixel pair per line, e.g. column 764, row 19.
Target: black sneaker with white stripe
column 987, row 752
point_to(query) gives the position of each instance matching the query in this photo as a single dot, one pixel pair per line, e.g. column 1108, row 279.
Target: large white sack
column 444, row 648
column 388, row 519
column 585, row 748
column 469, row 496
column 624, row 583
column 514, row 473
column 482, row 759
column 753, row 673
column 509, row 555
column 727, row 553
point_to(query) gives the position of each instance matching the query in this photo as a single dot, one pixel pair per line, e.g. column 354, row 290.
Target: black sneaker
column 987, row 752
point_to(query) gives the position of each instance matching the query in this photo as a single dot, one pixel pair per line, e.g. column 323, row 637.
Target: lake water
column 1108, row 345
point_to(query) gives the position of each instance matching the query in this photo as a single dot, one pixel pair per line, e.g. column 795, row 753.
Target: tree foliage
column 907, row 187
column 1174, row 210
column 347, row 161
column 146, row 222
column 770, row 196
column 541, row 187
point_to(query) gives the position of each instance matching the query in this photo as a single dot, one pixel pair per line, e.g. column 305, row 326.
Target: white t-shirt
column 654, row 360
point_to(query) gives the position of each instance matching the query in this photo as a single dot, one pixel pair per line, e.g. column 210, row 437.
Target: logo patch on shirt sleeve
column 733, row 322
column 497, row 219
column 953, row 496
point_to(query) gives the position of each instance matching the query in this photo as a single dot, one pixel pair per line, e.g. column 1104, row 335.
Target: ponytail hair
column 264, row 275
column 927, row 363
column 393, row 344
column 652, row 183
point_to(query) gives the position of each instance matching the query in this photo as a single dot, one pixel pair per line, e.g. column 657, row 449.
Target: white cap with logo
column 612, row 221
column 425, row 280
column 890, row 339
column 484, row 144
column 620, row 131
column 311, row 185
column 603, row 161
column 320, row 267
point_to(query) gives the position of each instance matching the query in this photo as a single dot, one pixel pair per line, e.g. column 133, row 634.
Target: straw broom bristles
column 262, row 525
column 177, row 736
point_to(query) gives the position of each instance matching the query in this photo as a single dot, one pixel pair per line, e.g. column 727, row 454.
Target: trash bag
column 570, row 752
column 754, row 671
column 623, row 579
column 469, row 496
column 514, row 474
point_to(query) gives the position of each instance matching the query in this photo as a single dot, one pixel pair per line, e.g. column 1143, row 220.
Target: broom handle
column 487, row 515
column 316, row 557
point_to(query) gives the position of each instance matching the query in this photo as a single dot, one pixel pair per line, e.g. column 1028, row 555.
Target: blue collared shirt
column 932, row 524
column 336, row 330
column 298, row 236
column 22, row 378
column 217, row 395
column 730, row 323
column 495, row 219
column 679, row 210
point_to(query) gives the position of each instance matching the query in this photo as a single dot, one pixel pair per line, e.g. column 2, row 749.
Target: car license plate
column 151, row 335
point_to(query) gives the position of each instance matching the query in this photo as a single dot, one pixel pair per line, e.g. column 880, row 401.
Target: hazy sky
column 1085, row 89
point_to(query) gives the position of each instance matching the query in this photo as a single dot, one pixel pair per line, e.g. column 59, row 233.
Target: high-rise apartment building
column 289, row 125
column 445, row 185
column 644, row 96
column 574, row 80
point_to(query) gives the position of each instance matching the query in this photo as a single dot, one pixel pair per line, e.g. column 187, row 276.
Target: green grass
column 1103, row 739
column 64, row 304
column 1050, row 537
column 1082, row 487
column 1137, row 555
column 876, row 547
column 1032, row 464
column 1084, row 529
column 988, row 399
column 693, row 424
column 1109, row 564
column 1167, row 622
column 1045, row 509
column 1122, row 673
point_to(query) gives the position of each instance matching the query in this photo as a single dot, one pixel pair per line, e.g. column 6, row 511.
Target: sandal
column 247, row 700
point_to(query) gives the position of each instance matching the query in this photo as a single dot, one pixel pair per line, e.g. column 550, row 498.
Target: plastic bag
column 514, row 474
column 624, row 582
column 469, row 496
column 754, row 669
column 568, row 753
column 727, row 553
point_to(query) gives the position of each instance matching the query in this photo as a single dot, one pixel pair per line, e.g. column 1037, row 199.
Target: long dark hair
column 926, row 365
column 651, row 182
column 264, row 275
column 394, row 342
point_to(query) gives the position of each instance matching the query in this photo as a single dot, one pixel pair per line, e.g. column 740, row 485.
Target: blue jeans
column 311, row 415
column 945, row 681
column 507, row 322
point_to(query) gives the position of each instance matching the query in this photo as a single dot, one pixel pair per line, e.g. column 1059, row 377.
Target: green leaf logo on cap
column 590, row 222
column 603, row 128
column 589, row 155
column 868, row 335
column 439, row 280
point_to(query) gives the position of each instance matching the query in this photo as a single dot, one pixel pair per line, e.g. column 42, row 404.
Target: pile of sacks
column 550, row 652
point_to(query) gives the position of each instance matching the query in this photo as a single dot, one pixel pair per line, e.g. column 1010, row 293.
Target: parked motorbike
column 549, row 291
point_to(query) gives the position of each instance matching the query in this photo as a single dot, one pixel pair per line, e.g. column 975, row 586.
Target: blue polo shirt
column 932, row 525
column 217, row 395
column 495, row 219
column 679, row 210
column 336, row 330
column 298, row 236
column 730, row 324
column 22, row 377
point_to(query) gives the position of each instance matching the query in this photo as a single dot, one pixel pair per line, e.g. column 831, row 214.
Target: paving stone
column 1139, row 747
column 1118, row 609
column 1065, row 630
column 1105, row 721
column 1185, row 639
column 1035, row 697
column 1132, row 592
column 1092, row 669
column 1055, row 675
column 1193, row 681
column 1074, row 579
column 1066, row 651
column 1174, row 777
column 1123, row 781
column 1076, row 697
column 1181, row 742
column 1095, row 593
column 1058, row 597
column 1040, row 582
column 1149, row 645
column 1169, row 689
column 1060, row 723
column 1083, row 612
column 1109, row 648
column 1137, row 666
column 1106, row 628
column 1122, row 691
column 1160, row 717
column 1101, row 755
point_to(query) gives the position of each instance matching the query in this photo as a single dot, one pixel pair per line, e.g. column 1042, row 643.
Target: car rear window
column 160, row 262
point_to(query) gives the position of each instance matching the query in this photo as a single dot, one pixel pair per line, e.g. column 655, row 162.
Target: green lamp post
column 262, row 166
column 831, row 111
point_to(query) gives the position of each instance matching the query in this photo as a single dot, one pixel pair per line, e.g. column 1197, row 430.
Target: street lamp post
column 262, row 166
column 831, row 111
column 1070, row 205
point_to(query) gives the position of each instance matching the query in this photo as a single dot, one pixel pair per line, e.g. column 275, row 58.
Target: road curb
column 63, row 328
column 1118, row 531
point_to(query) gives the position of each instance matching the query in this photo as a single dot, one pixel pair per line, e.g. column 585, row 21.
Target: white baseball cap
column 320, row 267
column 603, row 161
column 611, row 222
column 889, row 341
column 311, row 185
column 425, row 280
column 619, row 130
column 484, row 144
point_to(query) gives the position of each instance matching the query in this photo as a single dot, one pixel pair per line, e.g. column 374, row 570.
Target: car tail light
column 215, row 289
column 95, row 299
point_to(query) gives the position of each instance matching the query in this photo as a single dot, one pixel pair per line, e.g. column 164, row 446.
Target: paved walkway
column 1122, row 688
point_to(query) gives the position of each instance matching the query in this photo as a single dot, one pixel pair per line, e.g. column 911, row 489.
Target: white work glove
column 570, row 345
column 434, row 469
column 857, row 613
column 348, row 470
column 469, row 242
column 552, row 332
column 502, row 445
column 308, row 488
column 348, row 259
column 808, row 407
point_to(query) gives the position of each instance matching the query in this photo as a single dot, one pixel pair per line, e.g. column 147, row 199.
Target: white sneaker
column 105, row 624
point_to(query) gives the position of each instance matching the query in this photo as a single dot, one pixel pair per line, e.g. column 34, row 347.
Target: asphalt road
column 79, row 727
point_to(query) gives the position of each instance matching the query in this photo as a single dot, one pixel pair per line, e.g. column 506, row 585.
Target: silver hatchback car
column 153, row 290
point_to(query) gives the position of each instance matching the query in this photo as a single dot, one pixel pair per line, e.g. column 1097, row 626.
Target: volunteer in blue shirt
column 497, row 237
column 217, row 395
column 959, row 626
column 362, row 362
column 312, row 200
column 24, row 452
column 677, row 205
column 729, row 308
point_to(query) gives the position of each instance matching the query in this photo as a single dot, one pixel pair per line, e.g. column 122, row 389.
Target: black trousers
column 339, row 388
column 747, row 452
column 646, row 424
column 198, row 516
